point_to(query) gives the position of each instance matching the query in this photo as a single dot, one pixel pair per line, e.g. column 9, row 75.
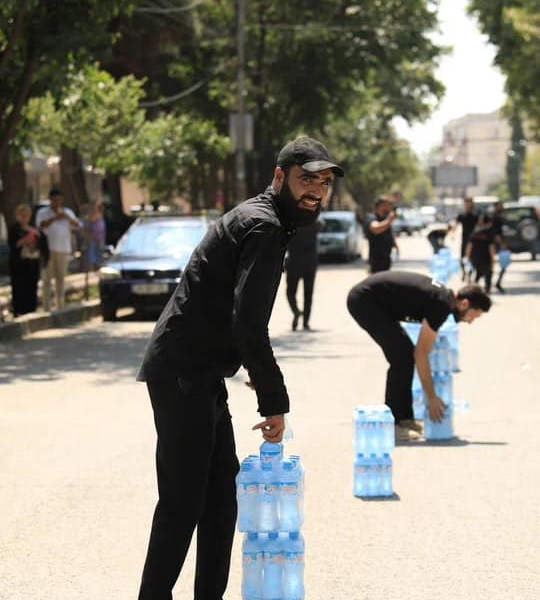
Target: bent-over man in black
column 380, row 302
column 216, row 321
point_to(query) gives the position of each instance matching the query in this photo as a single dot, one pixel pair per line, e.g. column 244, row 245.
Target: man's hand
column 272, row 428
column 436, row 409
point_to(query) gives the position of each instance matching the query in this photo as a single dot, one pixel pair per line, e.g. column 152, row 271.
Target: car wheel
column 528, row 230
column 108, row 311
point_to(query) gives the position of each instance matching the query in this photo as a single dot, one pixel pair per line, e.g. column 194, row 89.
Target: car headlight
column 109, row 273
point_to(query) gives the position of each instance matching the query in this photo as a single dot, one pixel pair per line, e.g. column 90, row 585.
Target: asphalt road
column 77, row 485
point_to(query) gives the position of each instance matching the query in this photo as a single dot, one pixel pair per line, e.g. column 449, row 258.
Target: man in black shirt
column 216, row 321
column 379, row 234
column 468, row 220
column 380, row 302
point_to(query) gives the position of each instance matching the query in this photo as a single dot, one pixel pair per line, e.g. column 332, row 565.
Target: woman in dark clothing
column 481, row 251
column 24, row 262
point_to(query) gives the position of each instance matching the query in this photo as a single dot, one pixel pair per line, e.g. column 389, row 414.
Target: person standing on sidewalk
column 380, row 236
column 216, row 321
column 57, row 222
column 25, row 244
column 301, row 264
column 500, row 242
column 380, row 302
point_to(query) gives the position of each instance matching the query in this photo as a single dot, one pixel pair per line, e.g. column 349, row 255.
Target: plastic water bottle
column 271, row 453
column 247, row 491
column 293, row 567
column 360, row 433
column 299, row 468
column 272, row 586
column 252, row 571
column 443, row 387
column 361, row 467
column 388, row 434
column 267, row 509
column 289, row 497
column 374, row 476
column 386, row 488
column 439, row 431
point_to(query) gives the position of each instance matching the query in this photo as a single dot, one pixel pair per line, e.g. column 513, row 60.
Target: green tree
column 513, row 27
column 39, row 40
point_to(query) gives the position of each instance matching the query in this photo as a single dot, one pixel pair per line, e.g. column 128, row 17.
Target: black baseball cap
column 309, row 154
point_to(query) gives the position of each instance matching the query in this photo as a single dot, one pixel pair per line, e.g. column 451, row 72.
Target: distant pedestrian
column 380, row 236
column 437, row 236
column 94, row 230
column 25, row 253
column 380, row 302
column 500, row 243
column 301, row 264
column 480, row 251
column 57, row 222
column 467, row 219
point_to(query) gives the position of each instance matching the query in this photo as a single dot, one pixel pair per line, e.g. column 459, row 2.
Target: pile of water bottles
column 443, row 265
column 270, row 494
column 374, row 441
column 444, row 361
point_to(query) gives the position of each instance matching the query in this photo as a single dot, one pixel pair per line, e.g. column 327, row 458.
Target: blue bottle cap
column 253, row 535
column 273, row 535
column 293, row 535
column 287, row 465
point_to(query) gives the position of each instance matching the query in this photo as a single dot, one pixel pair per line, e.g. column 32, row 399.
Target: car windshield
column 161, row 239
column 335, row 225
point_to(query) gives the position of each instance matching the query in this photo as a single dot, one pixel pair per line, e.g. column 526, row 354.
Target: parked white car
column 340, row 235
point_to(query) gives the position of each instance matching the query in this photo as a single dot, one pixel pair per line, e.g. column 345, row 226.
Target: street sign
column 234, row 124
column 454, row 176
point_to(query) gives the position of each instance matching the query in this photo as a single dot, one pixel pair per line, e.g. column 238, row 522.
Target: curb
column 28, row 324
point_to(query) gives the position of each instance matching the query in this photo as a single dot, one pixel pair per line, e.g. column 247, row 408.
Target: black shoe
column 307, row 327
column 500, row 288
column 295, row 321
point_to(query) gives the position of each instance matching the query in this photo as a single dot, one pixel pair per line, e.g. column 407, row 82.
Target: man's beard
column 459, row 314
column 292, row 212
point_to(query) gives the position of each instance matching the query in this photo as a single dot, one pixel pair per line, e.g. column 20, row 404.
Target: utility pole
column 241, row 116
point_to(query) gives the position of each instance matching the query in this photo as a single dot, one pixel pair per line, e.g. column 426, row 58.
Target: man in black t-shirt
column 380, row 236
column 380, row 302
column 468, row 220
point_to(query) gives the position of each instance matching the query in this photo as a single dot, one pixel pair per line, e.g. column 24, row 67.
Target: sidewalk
column 32, row 322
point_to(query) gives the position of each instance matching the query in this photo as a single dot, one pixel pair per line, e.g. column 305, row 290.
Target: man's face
column 384, row 209
column 303, row 194
column 56, row 201
column 468, row 314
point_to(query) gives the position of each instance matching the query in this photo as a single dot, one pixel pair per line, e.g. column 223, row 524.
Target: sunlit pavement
column 77, row 445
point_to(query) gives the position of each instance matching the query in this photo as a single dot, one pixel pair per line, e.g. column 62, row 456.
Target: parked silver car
column 339, row 236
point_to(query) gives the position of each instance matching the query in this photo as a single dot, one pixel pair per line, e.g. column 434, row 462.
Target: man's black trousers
column 396, row 345
column 293, row 278
column 196, row 468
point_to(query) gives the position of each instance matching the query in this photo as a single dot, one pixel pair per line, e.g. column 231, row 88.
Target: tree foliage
column 513, row 26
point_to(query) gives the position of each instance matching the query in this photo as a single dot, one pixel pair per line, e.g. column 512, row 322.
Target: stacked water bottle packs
column 270, row 492
column 443, row 360
column 443, row 265
column 374, row 441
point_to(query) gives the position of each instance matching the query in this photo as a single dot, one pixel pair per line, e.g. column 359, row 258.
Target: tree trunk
column 14, row 188
column 72, row 179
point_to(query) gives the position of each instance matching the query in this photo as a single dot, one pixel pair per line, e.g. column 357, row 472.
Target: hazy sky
column 473, row 84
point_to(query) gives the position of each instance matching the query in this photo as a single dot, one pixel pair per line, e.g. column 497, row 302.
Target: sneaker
column 412, row 424
column 403, row 434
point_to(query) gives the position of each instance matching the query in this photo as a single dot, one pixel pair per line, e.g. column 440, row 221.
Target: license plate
column 149, row 288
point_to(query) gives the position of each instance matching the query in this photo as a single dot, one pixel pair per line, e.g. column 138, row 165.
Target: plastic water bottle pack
column 270, row 491
column 374, row 440
column 273, row 566
column 373, row 475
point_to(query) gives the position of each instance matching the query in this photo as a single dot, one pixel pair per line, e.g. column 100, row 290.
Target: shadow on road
column 109, row 355
column 456, row 441
column 393, row 498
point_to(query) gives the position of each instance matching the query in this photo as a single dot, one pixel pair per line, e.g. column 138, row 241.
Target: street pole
column 240, row 122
